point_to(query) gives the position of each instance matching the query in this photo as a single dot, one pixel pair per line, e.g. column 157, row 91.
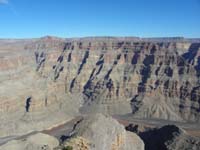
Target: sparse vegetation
column 67, row 148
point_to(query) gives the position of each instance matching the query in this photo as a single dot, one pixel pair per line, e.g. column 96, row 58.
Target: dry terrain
column 64, row 90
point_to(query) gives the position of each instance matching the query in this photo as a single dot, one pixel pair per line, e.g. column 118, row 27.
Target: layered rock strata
column 42, row 79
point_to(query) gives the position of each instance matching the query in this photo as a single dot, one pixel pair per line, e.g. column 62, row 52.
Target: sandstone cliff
column 48, row 80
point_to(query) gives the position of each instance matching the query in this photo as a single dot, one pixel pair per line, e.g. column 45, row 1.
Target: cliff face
column 157, row 79
column 149, row 78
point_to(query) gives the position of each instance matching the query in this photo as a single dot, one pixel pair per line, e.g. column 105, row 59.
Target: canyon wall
column 52, row 79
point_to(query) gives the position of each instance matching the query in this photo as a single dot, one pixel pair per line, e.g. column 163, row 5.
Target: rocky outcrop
column 99, row 132
column 169, row 137
column 34, row 142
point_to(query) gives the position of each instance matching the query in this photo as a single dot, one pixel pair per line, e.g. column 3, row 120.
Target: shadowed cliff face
column 109, row 75
column 168, row 137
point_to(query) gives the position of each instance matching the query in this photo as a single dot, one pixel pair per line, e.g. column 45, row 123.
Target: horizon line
column 106, row 36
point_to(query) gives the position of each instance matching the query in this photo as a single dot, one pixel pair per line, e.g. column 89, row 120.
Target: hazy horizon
column 93, row 36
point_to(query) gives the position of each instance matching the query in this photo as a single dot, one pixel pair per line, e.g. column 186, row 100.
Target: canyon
column 48, row 81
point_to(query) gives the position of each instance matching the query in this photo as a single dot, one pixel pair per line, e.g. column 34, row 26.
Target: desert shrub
column 67, row 148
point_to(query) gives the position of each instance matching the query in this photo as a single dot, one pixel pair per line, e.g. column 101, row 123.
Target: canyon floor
column 100, row 93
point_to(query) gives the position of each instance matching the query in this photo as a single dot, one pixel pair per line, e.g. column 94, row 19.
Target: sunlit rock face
column 49, row 77
column 37, row 141
column 97, row 132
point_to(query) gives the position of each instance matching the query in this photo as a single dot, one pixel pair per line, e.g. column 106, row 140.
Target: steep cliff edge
column 48, row 80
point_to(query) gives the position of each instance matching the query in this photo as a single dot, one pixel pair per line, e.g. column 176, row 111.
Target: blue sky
column 78, row 18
